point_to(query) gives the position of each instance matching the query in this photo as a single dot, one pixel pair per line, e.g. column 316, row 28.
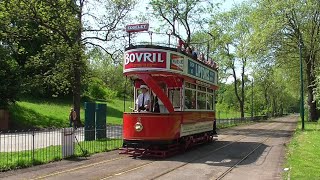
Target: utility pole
column 252, row 99
column 301, row 83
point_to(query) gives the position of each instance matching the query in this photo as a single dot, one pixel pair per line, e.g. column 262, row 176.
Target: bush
column 98, row 90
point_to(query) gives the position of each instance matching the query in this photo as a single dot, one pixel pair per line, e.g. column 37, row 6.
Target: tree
column 188, row 13
column 282, row 26
column 231, row 31
column 65, row 20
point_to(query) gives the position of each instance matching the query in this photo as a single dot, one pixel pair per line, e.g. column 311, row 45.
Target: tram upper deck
column 166, row 61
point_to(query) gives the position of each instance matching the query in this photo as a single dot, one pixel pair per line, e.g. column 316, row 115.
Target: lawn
column 33, row 113
column 13, row 160
column 303, row 153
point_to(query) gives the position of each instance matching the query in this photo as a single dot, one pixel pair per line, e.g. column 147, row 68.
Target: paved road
column 253, row 151
column 12, row 142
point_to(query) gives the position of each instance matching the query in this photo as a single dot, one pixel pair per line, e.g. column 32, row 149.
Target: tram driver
column 143, row 100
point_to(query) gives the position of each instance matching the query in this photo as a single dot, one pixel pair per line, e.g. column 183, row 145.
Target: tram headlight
column 138, row 127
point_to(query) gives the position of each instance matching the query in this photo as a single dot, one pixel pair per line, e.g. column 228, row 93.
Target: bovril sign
column 144, row 59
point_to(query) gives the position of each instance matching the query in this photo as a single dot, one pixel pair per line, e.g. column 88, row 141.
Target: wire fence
column 20, row 149
column 32, row 147
column 221, row 123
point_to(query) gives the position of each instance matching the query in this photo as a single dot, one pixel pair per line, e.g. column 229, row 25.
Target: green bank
column 303, row 153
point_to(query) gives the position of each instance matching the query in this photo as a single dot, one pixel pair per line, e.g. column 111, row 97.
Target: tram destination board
column 201, row 71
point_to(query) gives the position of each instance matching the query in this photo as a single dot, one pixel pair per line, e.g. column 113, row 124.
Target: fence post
column 33, row 147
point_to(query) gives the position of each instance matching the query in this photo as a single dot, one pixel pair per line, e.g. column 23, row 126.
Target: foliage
column 109, row 72
column 98, row 90
column 188, row 13
column 280, row 28
column 9, row 79
column 47, row 40
column 231, row 31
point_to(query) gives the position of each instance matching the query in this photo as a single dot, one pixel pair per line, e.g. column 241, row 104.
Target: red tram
column 184, row 89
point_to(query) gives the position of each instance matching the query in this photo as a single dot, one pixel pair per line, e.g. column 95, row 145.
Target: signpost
column 137, row 27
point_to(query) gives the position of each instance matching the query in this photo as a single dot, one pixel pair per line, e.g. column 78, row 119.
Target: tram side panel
column 162, row 127
column 150, row 126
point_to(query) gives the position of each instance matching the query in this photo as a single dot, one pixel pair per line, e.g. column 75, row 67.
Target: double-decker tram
column 174, row 101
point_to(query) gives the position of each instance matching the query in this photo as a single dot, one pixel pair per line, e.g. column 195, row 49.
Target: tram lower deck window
column 210, row 102
column 190, row 99
column 174, row 96
column 201, row 100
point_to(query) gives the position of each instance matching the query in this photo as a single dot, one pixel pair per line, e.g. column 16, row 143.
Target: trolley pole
column 301, row 83
column 252, row 100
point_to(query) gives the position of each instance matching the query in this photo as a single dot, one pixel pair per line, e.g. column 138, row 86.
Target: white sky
column 154, row 23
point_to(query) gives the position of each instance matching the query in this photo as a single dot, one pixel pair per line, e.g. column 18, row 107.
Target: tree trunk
column 242, row 88
column 242, row 109
column 77, row 91
column 313, row 115
column 78, row 65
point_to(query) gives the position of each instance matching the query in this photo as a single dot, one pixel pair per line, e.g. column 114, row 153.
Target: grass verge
column 303, row 155
column 21, row 159
column 35, row 113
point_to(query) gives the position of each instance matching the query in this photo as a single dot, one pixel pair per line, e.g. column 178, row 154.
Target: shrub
column 98, row 90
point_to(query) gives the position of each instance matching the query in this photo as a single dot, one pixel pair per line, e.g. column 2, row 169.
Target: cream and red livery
column 185, row 88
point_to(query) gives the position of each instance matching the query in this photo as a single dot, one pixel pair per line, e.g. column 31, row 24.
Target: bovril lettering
column 143, row 57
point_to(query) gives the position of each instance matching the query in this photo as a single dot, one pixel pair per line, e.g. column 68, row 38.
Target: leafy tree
column 231, row 31
column 188, row 13
column 280, row 26
column 65, row 20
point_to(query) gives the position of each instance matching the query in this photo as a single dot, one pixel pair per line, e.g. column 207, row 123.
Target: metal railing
column 235, row 121
column 32, row 147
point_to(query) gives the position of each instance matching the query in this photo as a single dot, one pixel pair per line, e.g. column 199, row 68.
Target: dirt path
column 246, row 152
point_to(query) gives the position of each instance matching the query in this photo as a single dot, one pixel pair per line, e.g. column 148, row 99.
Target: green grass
column 303, row 153
column 32, row 113
column 28, row 158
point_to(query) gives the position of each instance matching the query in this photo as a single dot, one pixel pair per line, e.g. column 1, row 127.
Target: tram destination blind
column 200, row 71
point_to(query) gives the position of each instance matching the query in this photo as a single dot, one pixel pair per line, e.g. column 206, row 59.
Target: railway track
column 134, row 168
column 194, row 159
column 241, row 160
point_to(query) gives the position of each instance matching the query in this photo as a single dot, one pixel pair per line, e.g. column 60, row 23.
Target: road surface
column 253, row 151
